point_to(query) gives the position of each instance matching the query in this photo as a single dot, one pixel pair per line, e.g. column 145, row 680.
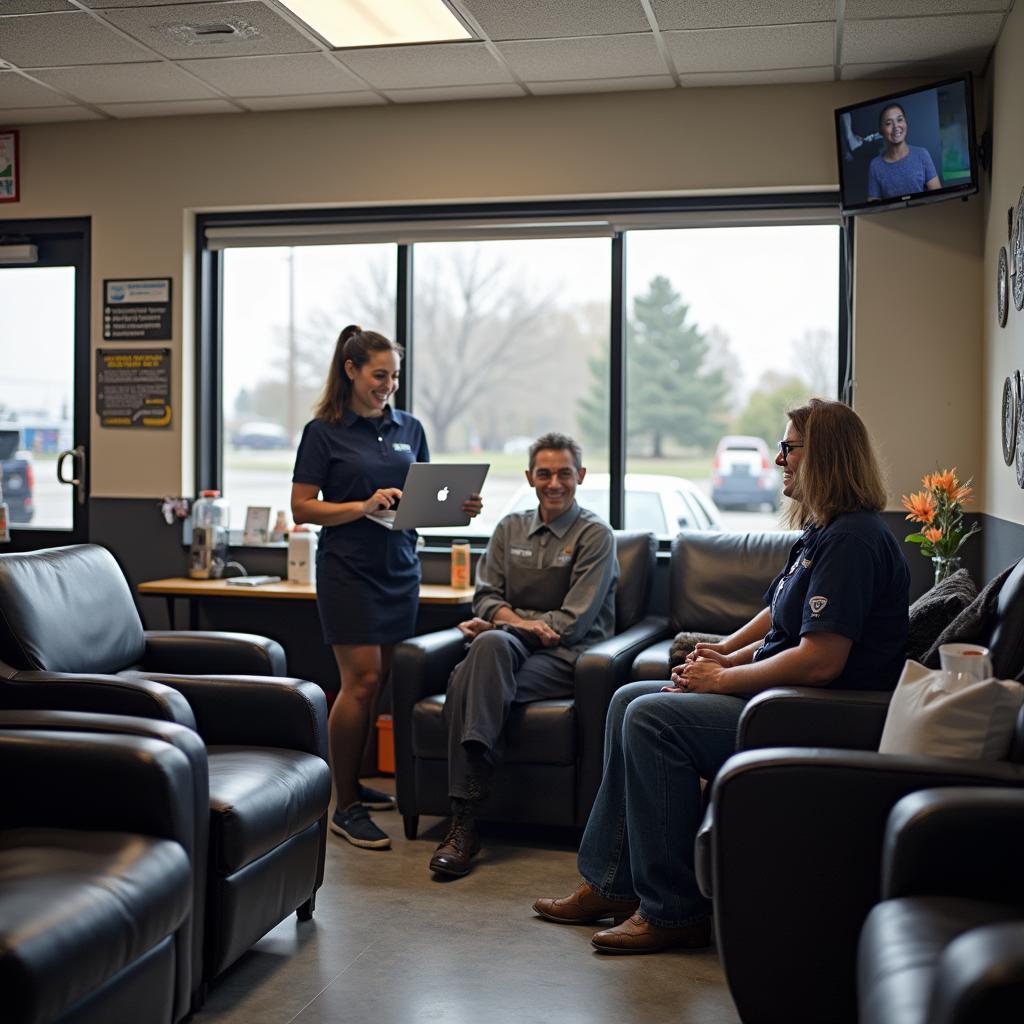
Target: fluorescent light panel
column 379, row 22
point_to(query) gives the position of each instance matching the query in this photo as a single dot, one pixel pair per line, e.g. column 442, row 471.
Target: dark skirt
column 362, row 606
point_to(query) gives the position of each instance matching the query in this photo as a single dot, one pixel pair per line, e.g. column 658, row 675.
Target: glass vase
column 944, row 566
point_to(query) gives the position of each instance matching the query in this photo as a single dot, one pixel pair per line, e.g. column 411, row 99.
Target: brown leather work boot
column 457, row 849
column 640, row 936
column 584, row 905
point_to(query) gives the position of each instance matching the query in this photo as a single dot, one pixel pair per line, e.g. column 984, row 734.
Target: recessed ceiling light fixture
column 372, row 23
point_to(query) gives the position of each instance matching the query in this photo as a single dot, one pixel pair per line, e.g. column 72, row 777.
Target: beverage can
column 460, row 564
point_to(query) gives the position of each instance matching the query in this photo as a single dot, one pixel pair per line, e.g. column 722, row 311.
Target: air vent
column 213, row 33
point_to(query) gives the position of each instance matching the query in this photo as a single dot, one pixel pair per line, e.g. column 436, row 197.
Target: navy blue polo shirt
column 851, row 578
column 349, row 460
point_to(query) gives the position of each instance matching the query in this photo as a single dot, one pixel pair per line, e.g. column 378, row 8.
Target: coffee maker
column 211, row 517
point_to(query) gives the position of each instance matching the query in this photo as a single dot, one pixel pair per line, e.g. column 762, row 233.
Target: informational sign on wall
column 133, row 388
column 137, row 309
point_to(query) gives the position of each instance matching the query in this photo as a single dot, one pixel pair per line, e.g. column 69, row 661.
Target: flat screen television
column 909, row 147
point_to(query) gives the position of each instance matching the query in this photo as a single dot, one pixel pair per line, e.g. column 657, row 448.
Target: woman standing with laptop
column 352, row 461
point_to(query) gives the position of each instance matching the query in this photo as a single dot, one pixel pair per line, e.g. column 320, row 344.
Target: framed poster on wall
column 10, row 188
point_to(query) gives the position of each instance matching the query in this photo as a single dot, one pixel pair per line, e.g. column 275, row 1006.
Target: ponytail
column 353, row 344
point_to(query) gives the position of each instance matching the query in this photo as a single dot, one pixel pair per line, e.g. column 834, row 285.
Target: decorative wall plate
column 1003, row 288
column 1010, row 412
column 1019, row 454
column 1018, row 254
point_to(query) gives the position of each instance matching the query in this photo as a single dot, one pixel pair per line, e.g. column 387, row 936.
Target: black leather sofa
column 71, row 638
column 946, row 944
column 97, row 846
column 791, row 847
column 552, row 765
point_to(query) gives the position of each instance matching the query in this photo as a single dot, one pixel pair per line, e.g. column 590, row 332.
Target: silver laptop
column 433, row 495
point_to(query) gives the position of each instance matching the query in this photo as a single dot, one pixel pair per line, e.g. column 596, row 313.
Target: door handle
column 77, row 456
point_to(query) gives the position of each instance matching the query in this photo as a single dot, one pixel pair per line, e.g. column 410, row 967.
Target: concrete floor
column 389, row 945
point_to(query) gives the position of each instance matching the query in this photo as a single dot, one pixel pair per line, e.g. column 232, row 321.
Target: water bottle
column 211, row 517
column 302, row 555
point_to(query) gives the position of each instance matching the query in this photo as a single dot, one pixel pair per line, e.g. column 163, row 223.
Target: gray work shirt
column 563, row 573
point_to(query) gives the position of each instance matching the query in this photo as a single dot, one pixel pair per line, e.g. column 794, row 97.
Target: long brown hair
column 356, row 344
column 838, row 472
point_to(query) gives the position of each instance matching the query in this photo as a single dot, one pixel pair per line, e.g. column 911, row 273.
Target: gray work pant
column 497, row 672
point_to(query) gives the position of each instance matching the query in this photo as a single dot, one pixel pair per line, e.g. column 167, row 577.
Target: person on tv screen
column 900, row 169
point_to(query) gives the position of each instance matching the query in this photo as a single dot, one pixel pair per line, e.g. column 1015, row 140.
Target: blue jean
column 639, row 838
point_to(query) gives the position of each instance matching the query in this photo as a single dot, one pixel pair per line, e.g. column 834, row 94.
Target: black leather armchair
column 946, row 944
column 71, row 638
column 716, row 584
column 791, row 846
column 97, row 847
column 552, row 765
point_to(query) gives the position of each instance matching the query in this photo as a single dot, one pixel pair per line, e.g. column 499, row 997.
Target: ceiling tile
column 438, row 64
column 602, row 85
column 323, row 99
column 170, row 109
column 100, row 4
column 287, row 75
column 671, row 14
column 458, row 92
column 776, row 77
column 57, row 40
column 916, row 8
column 137, row 83
column 166, row 30
column 903, row 39
column 47, row 115
column 34, row 6
column 751, row 49
column 17, row 91
column 917, row 69
column 559, row 60
column 550, row 19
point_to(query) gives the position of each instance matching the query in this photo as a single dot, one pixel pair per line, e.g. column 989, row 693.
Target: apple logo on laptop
column 442, row 495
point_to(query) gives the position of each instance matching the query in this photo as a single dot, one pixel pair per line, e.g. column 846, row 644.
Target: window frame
column 633, row 214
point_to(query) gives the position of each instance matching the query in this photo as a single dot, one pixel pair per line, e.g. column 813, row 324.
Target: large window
column 718, row 330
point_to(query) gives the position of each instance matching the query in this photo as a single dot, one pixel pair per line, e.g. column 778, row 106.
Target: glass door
column 44, row 387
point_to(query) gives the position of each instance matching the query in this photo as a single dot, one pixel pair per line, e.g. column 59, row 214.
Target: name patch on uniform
column 521, row 552
column 817, row 605
column 401, row 446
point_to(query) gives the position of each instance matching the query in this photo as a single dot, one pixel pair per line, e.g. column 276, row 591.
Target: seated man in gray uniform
column 545, row 591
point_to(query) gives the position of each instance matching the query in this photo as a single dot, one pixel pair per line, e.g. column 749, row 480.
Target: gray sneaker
column 355, row 825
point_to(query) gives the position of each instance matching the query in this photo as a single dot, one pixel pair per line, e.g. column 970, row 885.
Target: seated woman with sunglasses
column 835, row 616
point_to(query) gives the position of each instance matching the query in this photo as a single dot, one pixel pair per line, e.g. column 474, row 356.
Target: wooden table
column 196, row 590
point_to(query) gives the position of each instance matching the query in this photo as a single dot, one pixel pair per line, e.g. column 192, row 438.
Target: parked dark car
column 16, row 478
column 261, row 436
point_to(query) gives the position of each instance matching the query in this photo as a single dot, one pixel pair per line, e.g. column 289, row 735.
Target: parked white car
column 662, row 504
column 744, row 474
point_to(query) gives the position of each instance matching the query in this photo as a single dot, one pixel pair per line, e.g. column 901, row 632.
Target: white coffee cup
column 969, row 659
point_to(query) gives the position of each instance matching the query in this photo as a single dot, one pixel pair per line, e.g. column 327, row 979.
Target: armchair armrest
column 115, row 695
column 420, row 667
column 65, row 780
column 980, row 977
column 653, row 663
column 956, row 842
column 261, row 711
column 600, row 671
column 796, row 865
column 813, row 717
column 206, row 653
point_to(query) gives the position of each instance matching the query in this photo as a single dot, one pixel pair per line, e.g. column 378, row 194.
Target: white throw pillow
column 942, row 714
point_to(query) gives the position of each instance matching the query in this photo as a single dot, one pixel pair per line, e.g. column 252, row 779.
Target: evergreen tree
column 671, row 393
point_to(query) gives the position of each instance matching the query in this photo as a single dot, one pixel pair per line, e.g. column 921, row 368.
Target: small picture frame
column 10, row 183
column 257, row 525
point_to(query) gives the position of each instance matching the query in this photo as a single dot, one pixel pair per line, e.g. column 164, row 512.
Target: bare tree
column 814, row 360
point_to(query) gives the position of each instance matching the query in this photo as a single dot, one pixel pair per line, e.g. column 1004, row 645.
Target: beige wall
column 1003, row 348
column 141, row 181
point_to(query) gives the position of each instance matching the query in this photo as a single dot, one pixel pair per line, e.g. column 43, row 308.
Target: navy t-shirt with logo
column 851, row 578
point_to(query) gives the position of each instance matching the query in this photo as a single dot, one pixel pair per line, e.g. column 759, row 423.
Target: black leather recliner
column 552, row 764
column 71, row 638
column 946, row 944
column 96, row 855
column 716, row 584
column 791, row 846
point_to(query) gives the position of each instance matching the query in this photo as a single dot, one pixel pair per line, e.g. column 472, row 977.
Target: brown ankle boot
column 584, row 905
column 457, row 849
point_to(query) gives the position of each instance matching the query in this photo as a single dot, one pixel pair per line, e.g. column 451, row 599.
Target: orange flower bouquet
column 939, row 510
